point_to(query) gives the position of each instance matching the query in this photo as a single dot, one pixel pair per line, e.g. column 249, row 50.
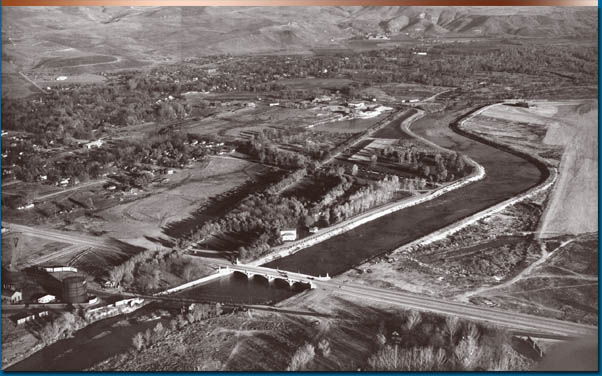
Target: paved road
column 511, row 320
column 65, row 237
column 506, row 319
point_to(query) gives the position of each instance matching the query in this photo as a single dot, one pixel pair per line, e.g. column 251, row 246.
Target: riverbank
column 549, row 176
column 372, row 214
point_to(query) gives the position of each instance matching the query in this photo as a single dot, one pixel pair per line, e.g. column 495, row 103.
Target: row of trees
column 269, row 153
column 367, row 197
column 460, row 346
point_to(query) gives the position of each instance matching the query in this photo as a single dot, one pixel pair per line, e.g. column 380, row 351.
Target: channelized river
column 507, row 176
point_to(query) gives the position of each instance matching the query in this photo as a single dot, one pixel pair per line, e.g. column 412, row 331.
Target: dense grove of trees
column 269, row 153
column 261, row 214
column 61, row 327
column 438, row 167
column 307, row 140
column 198, row 313
column 145, row 271
column 261, row 217
column 374, row 194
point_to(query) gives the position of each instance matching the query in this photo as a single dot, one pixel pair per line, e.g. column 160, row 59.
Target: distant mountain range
column 31, row 35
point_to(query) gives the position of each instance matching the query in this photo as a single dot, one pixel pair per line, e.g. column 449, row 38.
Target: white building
column 47, row 299
column 94, row 144
column 288, row 234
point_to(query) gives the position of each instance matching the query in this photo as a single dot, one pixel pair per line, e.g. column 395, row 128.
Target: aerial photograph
column 310, row 188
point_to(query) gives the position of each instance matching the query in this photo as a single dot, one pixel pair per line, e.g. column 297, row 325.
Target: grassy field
column 348, row 126
column 31, row 248
column 76, row 61
column 141, row 222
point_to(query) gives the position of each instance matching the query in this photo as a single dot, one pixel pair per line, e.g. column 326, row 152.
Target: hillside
column 122, row 37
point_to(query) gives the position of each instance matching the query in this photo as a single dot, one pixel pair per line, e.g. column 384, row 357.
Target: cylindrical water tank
column 74, row 290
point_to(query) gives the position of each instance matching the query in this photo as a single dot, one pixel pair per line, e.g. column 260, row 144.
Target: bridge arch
column 239, row 273
column 260, row 277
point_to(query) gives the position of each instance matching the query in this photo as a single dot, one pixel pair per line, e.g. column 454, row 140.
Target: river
column 507, row 176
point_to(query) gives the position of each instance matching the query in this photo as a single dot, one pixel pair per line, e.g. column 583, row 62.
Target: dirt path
column 545, row 255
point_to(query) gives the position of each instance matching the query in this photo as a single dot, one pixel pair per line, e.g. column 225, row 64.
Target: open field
column 31, row 249
column 348, row 126
column 564, row 286
column 141, row 222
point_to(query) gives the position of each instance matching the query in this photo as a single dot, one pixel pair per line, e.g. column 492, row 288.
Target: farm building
column 288, row 234
column 11, row 296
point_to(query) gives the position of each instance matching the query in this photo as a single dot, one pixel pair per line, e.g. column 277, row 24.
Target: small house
column 313, row 229
column 288, row 235
column 11, row 296
column 47, row 299
column 94, row 144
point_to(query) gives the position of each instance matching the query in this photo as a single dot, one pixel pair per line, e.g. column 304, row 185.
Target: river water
column 507, row 175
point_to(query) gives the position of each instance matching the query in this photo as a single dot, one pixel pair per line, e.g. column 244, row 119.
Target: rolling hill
column 141, row 35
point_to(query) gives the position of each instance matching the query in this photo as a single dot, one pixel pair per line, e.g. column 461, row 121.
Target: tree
column 468, row 351
column 414, row 318
column 301, row 358
column 452, row 324
column 324, row 347
column 354, row 169
column 373, row 160
column 138, row 341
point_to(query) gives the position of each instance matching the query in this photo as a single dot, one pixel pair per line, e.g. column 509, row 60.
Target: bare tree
column 138, row 341
column 452, row 324
column 414, row 318
column 324, row 347
column 468, row 351
column 301, row 358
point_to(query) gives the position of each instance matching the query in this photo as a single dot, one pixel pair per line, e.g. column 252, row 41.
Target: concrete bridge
column 274, row 274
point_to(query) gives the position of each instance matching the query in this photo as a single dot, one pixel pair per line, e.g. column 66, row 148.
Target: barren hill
column 140, row 35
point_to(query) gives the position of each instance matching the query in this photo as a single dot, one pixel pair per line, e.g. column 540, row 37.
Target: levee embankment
column 478, row 173
column 548, row 177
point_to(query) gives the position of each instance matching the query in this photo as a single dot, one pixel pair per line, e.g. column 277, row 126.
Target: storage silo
column 74, row 290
